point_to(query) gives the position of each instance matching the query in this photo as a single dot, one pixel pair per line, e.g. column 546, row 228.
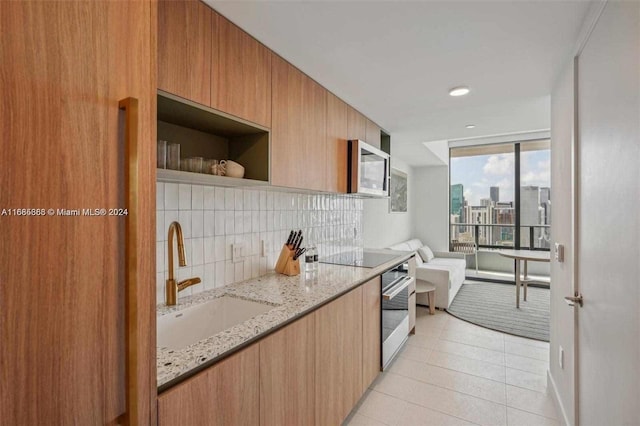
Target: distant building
column 457, row 200
column 494, row 194
column 486, row 202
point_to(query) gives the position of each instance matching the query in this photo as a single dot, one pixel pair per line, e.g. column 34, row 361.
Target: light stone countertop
column 291, row 297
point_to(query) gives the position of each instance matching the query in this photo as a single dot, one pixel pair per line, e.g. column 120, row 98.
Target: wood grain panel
column 336, row 144
column 62, row 295
column 338, row 358
column 412, row 314
column 371, row 294
column 242, row 86
column 356, row 125
column 298, row 129
column 372, row 134
column 185, row 61
column 287, row 375
column 225, row 394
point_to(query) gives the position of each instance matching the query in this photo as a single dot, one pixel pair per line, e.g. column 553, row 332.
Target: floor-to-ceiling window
column 500, row 195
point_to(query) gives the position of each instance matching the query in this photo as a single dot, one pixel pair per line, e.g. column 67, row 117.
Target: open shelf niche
column 211, row 134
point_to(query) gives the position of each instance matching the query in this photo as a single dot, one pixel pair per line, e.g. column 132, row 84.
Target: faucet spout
column 172, row 287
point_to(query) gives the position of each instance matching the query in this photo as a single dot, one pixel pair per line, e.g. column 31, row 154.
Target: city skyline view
column 479, row 173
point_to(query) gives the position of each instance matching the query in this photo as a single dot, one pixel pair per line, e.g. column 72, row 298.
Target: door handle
column 572, row 300
column 403, row 283
column 131, row 171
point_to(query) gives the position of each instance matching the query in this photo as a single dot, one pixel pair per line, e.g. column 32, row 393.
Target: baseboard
column 551, row 384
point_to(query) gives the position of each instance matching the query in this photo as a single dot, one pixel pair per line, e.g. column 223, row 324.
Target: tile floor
column 455, row 373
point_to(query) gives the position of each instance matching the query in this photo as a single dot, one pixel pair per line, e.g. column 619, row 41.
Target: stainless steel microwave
column 369, row 170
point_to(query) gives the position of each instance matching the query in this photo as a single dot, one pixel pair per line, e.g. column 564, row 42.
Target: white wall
column 429, row 192
column 381, row 228
column 562, row 195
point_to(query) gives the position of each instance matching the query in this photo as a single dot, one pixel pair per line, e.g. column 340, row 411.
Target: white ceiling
column 395, row 61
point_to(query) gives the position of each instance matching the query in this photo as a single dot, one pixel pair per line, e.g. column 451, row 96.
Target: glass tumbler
column 173, row 156
column 162, row 154
column 196, row 164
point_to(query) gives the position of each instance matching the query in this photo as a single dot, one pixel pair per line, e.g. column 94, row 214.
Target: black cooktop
column 363, row 259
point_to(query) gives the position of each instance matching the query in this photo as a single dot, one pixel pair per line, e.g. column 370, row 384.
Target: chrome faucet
column 172, row 288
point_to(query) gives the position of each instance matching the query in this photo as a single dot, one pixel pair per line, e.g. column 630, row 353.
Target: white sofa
column 446, row 271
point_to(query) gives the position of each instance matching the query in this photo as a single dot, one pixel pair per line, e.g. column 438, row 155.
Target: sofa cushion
column 414, row 244
column 426, row 254
column 404, row 246
column 456, row 267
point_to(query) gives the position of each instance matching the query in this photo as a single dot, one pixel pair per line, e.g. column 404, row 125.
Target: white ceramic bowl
column 234, row 169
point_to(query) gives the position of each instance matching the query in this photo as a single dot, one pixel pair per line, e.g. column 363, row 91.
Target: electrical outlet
column 237, row 252
column 561, row 357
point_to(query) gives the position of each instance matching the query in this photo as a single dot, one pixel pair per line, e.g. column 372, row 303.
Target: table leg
column 518, row 283
column 525, row 280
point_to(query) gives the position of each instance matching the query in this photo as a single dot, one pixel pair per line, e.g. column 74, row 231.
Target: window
column 495, row 188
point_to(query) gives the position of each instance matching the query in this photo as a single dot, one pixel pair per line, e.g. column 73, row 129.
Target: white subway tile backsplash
column 209, row 197
column 184, row 197
column 197, row 197
column 219, row 198
column 160, row 196
column 209, row 223
column 214, row 218
column 229, row 199
column 197, row 224
column 184, row 217
column 171, row 196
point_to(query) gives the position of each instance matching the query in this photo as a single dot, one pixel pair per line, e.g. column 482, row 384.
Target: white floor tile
column 450, row 379
column 527, row 351
column 473, row 352
column 531, row 401
column 359, row 420
column 526, row 364
column 517, row 417
column 467, row 365
column 393, row 411
column 488, row 341
column 523, row 379
column 453, row 403
column 415, row 353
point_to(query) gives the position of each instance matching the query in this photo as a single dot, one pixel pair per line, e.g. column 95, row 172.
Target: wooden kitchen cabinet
column 337, row 147
column 287, row 374
column 242, row 86
column 298, row 128
column 356, row 125
column 338, row 358
column 185, row 61
column 371, row 363
column 225, row 394
column 62, row 316
column 372, row 134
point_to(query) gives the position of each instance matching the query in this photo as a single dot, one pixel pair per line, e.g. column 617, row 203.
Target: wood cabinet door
column 287, row 374
column 185, row 61
column 338, row 358
column 371, row 339
column 242, row 85
column 225, row 394
column 372, row 134
column 67, row 66
column 357, row 125
column 337, row 112
column 298, row 128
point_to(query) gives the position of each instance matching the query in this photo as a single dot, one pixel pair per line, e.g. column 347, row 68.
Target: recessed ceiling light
column 459, row 91
column 470, row 126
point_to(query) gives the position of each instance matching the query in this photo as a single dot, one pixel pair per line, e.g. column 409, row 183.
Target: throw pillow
column 426, row 254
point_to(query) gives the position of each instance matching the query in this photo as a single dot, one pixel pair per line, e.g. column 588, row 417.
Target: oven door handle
column 403, row 282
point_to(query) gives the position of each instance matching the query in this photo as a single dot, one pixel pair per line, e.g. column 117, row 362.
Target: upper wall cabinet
column 242, row 86
column 373, row 134
column 185, row 64
column 336, row 144
column 357, row 125
column 298, row 129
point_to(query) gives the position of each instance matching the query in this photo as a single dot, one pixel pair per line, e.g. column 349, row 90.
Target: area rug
column 493, row 306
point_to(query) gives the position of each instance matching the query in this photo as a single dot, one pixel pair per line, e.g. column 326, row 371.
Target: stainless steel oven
column 396, row 285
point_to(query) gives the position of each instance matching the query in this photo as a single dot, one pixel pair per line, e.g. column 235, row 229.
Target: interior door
column 66, row 66
column 609, row 224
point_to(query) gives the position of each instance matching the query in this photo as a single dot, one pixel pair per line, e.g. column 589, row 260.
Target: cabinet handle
column 396, row 287
column 131, row 170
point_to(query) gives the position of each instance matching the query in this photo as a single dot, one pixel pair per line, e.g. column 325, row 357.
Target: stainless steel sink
column 180, row 329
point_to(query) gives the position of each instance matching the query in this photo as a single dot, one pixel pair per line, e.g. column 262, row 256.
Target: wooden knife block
column 285, row 264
